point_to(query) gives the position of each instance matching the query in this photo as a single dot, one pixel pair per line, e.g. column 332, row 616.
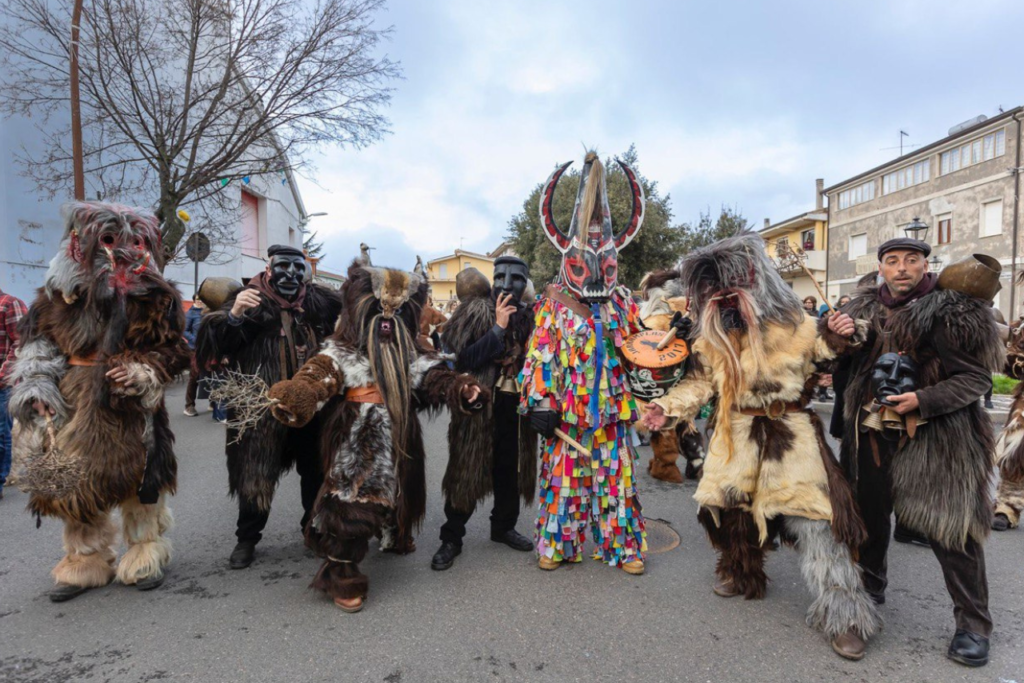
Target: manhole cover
column 661, row 537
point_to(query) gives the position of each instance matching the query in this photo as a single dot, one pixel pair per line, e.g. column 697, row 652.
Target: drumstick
column 667, row 339
column 571, row 441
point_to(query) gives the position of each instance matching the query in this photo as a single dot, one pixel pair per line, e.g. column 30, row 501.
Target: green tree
column 658, row 244
column 730, row 222
column 313, row 249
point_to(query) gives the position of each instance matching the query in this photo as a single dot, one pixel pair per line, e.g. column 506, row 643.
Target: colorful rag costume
column 104, row 307
column 572, row 368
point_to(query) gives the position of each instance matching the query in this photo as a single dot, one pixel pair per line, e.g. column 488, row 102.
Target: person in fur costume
column 1010, row 446
column 575, row 388
column 102, row 340
column 769, row 469
column 932, row 463
column 665, row 307
column 368, row 381
column 493, row 450
column 268, row 329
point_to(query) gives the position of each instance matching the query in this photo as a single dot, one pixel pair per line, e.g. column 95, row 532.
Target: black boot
column 903, row 534
column 243, row 554
column 65, row 591
column 513, row 539
column 968, row 649
column 1000, row 522
column 445, row 556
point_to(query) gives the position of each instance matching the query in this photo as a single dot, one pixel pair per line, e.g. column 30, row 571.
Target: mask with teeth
column 590, row 247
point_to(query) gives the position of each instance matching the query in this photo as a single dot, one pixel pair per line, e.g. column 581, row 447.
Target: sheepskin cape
column 941, row 478
column 778, row 466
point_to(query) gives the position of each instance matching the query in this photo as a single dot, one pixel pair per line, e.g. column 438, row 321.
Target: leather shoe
column 63, row 592
column 151, row 582
column 243, row 554
column 1000, row 522
column 968, row 649
column 548, row 564
column 445, row 556
column 725, row 588
column 849, row 645
column 513, row 539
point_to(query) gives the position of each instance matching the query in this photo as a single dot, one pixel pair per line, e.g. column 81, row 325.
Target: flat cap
column 284, row 250
column 905, row 243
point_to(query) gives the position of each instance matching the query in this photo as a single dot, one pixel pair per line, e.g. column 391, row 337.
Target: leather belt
column 774, row 411
column 367, row 394
column 90, row 361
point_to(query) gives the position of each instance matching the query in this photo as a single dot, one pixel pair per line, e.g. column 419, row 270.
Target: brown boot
column 725, row 588
column 548, row 564
column 635, row 567
column 666, row 451
column 849, row 645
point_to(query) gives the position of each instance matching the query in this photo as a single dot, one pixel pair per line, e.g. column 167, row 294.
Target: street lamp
column 935, row 262
column 917, row 230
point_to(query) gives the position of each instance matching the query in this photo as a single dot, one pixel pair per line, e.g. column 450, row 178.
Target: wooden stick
column 571, row 441
column 667, row 339
column 817, row 287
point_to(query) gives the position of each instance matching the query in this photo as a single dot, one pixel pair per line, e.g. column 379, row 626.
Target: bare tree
column 180, row 97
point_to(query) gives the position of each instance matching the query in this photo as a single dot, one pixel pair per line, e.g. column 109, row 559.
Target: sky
column 738, row 103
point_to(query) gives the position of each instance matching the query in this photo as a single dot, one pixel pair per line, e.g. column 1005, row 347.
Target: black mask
column 892, row 375
column 510, row 276
column 287, row 272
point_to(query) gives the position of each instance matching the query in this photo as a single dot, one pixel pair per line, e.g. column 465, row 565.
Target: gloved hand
column 545, row 422
column 682, row 325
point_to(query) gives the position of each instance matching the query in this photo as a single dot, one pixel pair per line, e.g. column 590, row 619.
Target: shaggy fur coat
column 121, row 436
column 374, row 468
column 1010, row 446
column 941, row 478
column 772, row 467
column 262, row 456
column 467, row 479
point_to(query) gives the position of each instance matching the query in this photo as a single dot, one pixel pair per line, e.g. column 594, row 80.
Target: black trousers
column 505, row 475
column 963, row 571
column 252, row 520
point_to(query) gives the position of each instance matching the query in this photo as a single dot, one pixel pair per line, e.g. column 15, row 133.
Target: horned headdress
column 590, row 247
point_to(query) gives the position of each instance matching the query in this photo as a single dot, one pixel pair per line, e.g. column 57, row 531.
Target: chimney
column 819, row 187
column 767, row 222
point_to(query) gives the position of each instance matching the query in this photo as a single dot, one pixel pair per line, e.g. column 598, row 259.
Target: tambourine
column 653, row 371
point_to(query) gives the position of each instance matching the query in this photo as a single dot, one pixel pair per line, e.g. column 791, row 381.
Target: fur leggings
column 840, row 601
column 89, row 558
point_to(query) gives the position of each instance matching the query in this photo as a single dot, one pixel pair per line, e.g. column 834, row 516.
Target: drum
column 652, row 371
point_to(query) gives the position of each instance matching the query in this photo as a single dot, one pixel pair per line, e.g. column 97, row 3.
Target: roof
column 460, row 252
column 320, row 272
column 810, row 217
column 501, row 248
column 966, row 132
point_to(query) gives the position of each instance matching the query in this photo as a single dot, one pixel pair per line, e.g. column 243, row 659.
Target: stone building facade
column 965, row 187
column 807, row 236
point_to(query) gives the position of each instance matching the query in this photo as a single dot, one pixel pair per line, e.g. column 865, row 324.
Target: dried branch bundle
column 45, row 468
column 246, row 396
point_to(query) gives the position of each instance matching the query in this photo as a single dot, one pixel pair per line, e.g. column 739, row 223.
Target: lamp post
column 935, row 262
column 917, row 230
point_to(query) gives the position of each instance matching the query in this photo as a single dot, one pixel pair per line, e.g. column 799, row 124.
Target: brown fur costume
column 374, row 460
column 940, row 478
column 105, row 306
column 1010, row 446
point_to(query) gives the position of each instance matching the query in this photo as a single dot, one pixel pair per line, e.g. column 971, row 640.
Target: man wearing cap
column 269, row 329
column 915, row 439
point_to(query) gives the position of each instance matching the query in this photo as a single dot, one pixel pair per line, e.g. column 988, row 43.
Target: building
column 805, row 235
column 504, row 249
column 441, row 272
column 964, row 187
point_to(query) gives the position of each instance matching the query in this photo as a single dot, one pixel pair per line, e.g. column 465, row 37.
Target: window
column 992, row 218
column 945, row 229
column 906, row 177
column 807, row 240
column 984, row 148
column 858, row 245
column 443, row 271
column 857, row 195
column 250, row 225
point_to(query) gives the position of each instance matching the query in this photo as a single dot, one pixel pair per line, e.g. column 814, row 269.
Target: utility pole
column 903, row 134
column 76, row 106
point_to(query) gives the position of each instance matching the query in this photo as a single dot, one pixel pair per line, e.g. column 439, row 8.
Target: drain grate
column 661, row 537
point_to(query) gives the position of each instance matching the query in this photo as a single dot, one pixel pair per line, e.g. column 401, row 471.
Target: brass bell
column 977, row 276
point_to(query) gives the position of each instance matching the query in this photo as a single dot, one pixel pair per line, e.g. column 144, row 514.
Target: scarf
column 926, row 286
column 294, row 352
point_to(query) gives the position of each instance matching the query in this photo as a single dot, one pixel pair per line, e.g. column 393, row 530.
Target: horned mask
column 590, row 248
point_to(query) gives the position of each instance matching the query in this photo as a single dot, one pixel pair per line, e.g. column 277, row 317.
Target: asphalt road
column 493, row 617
